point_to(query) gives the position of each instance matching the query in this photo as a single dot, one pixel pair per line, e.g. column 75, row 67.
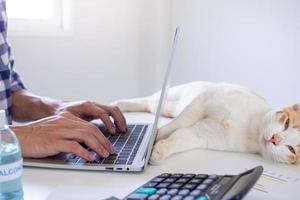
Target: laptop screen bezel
column 163, row 93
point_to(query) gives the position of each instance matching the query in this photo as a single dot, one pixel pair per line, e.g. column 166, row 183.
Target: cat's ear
column 296, row 107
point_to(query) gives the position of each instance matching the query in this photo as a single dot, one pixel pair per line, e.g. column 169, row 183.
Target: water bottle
column 10, row 163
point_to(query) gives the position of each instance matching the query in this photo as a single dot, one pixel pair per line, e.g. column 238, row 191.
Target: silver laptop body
column 142, row 153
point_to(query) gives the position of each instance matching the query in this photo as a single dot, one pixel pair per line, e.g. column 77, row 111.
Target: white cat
column 223, row 117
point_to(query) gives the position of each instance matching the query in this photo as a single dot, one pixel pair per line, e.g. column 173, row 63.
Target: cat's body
column 217, row 116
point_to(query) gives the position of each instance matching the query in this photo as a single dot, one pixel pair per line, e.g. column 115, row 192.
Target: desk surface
column 40, row 183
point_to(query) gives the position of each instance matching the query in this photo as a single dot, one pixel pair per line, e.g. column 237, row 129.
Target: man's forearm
column 29, row 107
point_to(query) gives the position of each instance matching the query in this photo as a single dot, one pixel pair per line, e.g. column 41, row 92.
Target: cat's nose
column 276, row 139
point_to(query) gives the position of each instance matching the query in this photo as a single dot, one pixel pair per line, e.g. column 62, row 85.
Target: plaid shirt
column 10, row 81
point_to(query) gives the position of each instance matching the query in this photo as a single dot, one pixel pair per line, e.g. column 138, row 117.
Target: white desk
column 39, row 183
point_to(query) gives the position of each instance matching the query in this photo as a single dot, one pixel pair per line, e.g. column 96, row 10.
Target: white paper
column 272, row 185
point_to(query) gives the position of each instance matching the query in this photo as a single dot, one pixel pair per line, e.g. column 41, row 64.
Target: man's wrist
column 29, row 107
column 50, row 106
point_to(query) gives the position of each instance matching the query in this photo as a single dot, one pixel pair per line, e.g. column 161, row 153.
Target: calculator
column 180, row 186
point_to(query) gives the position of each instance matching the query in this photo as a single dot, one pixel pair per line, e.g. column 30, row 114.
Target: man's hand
column 62, row 126
column 88, row 110
column 64, row 133
column 29, row 107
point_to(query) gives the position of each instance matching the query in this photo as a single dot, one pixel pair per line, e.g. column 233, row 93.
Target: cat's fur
column 223, row 117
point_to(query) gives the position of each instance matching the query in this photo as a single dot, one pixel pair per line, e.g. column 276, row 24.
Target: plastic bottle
column 10, row 163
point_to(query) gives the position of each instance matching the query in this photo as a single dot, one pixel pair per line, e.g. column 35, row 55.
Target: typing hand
column 62, row 133
column 91, row 110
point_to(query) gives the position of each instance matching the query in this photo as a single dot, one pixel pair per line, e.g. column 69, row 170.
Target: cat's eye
column 291, row 149
column 287, row 123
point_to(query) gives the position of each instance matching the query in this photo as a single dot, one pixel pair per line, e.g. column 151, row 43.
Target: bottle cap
column 3, row 120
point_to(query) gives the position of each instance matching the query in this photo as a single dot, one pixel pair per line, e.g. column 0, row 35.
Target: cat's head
column 280, row 135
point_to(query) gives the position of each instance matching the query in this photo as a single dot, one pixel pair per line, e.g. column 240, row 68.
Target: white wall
column 119, row 48
column 155, row 44
column 251, row 42
column 113, row 42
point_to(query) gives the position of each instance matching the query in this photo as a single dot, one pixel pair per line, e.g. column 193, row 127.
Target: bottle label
column 11, row 171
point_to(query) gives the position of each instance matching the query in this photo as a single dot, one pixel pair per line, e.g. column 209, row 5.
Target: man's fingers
column 75, row 148
column 91, row 136
column 85, row 136
column 92, row 142
column 104, row 116
column 118, row 117
column 104, row 141
column 92, row 109
column 101, row 138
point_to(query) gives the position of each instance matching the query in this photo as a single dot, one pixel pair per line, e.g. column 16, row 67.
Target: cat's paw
column 160, row 152
column 163, row 133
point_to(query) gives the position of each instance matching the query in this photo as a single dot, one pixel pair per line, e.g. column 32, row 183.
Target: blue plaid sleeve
column 10, row 81
column 16, row 83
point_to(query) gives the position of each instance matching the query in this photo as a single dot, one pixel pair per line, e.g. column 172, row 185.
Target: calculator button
column 165, row 175
column 189, row 198
column 196, row 193
column 148, row 191
column 163, row 185
column 157, row 180
column 165, row 197
column 195, row 181
column 175, row 185
column 176, row 175
column 169, row 180
column 162, row 191
column 184, row 192
column 173, row 192
column 150, row 184
column 182, row 180
column 208, row 181
column 189, row 186
column 202, row 187
column 177, row 197
column 188, row 176
column 202, row 198
column 214, row 177
column 136, row 196
column 154, row 197
column 203, row 176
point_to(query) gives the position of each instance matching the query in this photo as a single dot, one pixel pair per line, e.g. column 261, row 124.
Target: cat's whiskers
column 274, row 154
column 275, row 157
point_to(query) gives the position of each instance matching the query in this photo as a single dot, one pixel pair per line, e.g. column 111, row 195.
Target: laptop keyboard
column 126, row 146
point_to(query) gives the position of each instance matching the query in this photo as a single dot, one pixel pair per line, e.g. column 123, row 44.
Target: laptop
column 133, row 149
